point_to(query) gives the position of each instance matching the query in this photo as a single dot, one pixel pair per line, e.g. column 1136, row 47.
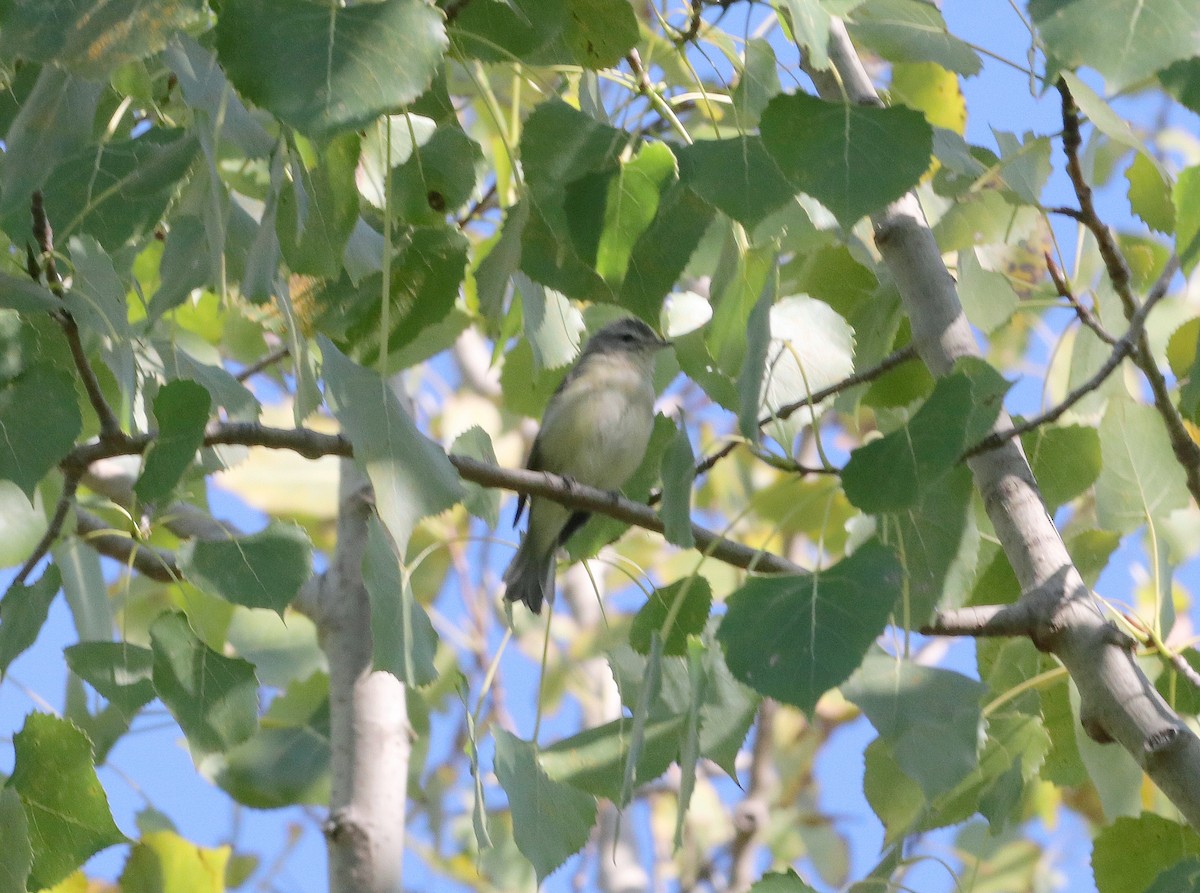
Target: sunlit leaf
column 163, row 862
column 1158, row 841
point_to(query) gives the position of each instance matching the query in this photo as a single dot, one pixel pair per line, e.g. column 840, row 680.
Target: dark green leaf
column 678, row 475
column 662, row 253
column 695, row 600
column 852, row 159
column 18, row 293
column 411, row 475
column 594, row 760
column 181, row 409
column 437, row 178
column 600, row 32
column 39, row 417
column 482, row 502
column 89, row 38
column 498, row 30
column 1130, row 42
column 560, row 144
column 836, row 615
column 1065, row 460
column 118, row 192
column 551, row 820
column 911, row 31
column 1158, row 842
column 781, row 882
column 910, row 706
column 262, row 570
column 737, row 176
column 1183, row 877
column 64, row 804
column 885, row 475
column 324, row 69
column 18, row 854
column 1182, row 80
column 317, row 213
column 121, row 672
column 54, row 122
column 23, row 612
column 403, row 638
column 213, row 698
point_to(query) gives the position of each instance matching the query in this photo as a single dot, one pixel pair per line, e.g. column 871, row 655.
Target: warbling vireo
column 595, row 431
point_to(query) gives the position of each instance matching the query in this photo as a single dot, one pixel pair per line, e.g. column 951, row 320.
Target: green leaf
column 14, row 831
column 939, row 541
column 809, row 23
column 912, row 705
column 315, row 216
column 895, row 798
column 205, row 88
column 121, row 672
column 689, row 748
column 695, row 601
column 213, row 698
column 404, row 642
column 1158, row 842
column 494, row 272
column 678, row 475
column 1150, row 194
column 988, row 298
column 887, row 474
column 632, row 204
column 65, row 806
column 662, row 253
column 1140, row 478
column 1066, row 460
column 89, row 39
column 1182, row 80
column 552, row 324
column 758, row 82
column 1183, row 877
column 23, row 612
column 262, row 570
column 498, row 30
column 1024, row 166
column 85, row 588
column 39, row 418
column 551, row 820
column 781, row 882
column 18, row 293
column 97, row 295
column 560, row 144
column 482, row 502
column 1187, row 218
column 736, row 176
column 163, row 862
column 181, row 409
column 437, row 178
column 911, row 31
column 852, row 159
column 411, row 475
column 1130, row 42
column 117, row 192
column 54, row 122
column 324, row 69
column 594, row 760
column 836, row 613
column 600, row 32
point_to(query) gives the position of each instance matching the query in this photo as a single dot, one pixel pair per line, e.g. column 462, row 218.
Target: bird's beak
column 662, row 343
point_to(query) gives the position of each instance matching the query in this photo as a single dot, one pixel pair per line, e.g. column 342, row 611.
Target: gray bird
column 595, row 431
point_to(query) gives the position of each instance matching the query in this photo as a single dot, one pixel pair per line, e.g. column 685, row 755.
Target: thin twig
column 1186, row 451
column 1125, row 346
column 478, row 206
column 156, row 564
column 689, row 34
column 54, row 528
column 1073, row 213
column 1085, row 315
column 887, row 364
column 263, row 363
column 109, row 426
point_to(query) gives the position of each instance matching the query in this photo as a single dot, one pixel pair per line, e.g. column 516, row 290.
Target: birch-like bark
column 369, row 739
column 1118, row 702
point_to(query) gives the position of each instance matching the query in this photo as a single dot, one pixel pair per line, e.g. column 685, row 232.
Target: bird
column 595, row 431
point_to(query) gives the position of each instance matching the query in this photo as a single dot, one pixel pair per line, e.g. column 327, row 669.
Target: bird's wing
column 534, row 463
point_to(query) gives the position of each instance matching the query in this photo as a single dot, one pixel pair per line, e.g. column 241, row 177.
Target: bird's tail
column 530, row 576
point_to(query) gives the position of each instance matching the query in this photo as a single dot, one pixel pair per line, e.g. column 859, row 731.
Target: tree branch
column 264, row 362
column 1122, row 348
column 1118, row 702
column 109, row 426
column 1187, row 452
column 1064, row 290
column 65, row 500
column 887, row 364
column 157, row 564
